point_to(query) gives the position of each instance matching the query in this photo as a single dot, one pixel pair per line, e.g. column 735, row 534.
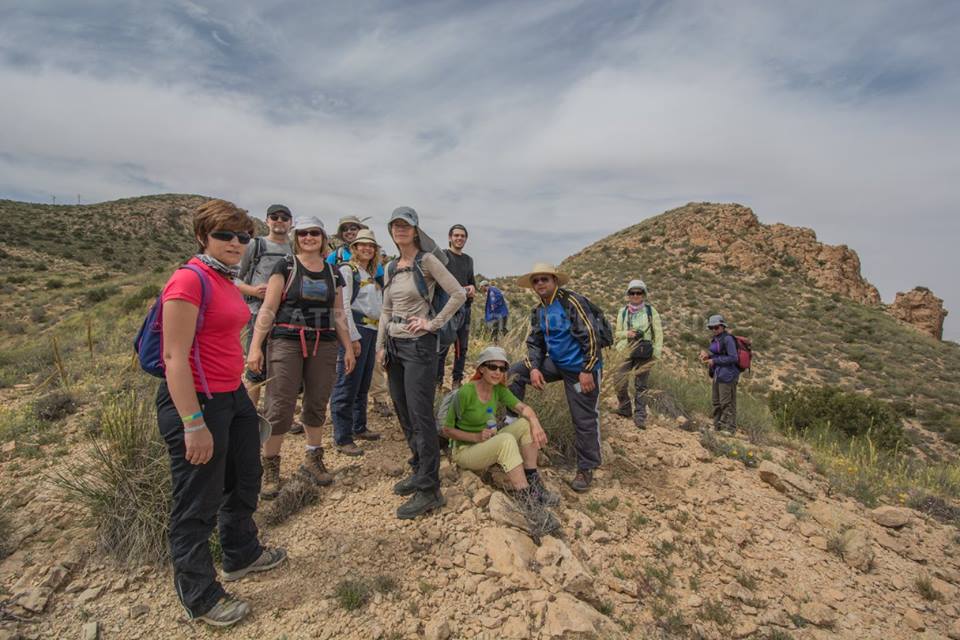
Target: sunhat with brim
column 345, row 220
column 637, row 284
column 542, row 268
column 309, row 222
column 408, row 215
column 484, row 283
column 493, row 354
column 716, row 321
column 365, row 236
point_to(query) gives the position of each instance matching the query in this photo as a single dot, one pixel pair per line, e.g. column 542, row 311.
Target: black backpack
column 447, row 334
column 601, row 326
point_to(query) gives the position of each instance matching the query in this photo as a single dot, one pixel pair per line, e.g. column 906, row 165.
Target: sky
column 542, row 126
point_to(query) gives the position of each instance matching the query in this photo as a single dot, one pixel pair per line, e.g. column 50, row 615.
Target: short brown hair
column 219, row 215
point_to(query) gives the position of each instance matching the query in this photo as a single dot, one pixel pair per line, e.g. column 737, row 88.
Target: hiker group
column 331, row 321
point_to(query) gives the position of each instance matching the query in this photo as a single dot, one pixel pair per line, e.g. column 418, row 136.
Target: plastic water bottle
column 491, row 419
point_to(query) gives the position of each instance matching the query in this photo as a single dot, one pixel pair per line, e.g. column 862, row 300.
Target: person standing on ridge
column 563, row 345
column 261, row 256
column 721, row 360
column 495, row 311
column 639, row 335
column 461, row 266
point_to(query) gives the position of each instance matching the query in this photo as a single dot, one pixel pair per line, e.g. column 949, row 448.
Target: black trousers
column 640, row 378
column 459, row 351
column 411, row 371
column 584, row 407
column 225, row 489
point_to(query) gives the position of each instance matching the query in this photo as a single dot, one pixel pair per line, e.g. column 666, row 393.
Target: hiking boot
column 624, row 412
column 640, row 425
column 384, row 409
column 296, row 427
column 367, row 435
column 541, row 494
column 421, row 503
column 581, row 481
column 314, row 469
column 406, row 486
column 269, row 558
column 226, row 612
column 270, row 487
column 350, row 449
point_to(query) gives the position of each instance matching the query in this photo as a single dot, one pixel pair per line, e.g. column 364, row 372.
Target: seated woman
column 471, row 425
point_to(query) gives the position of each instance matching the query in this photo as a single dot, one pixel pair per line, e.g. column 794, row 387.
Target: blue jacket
column 345, row 256
column 496, row 306
column 562, row 331
column 723, row 352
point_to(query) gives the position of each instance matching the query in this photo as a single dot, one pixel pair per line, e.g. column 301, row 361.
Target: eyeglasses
column 279, row 217
column 502, row 368
column 541, row 279
column 227, row 236
column 313, row 233
column 351, row 227
column 716, row 326
column 636, row 293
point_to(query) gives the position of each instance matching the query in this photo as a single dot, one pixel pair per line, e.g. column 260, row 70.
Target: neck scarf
column 219, row 267
column 633, row 308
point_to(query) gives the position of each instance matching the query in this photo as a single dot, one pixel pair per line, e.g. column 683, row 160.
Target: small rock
column 913, row 620
column 35, row 600
column 392, row 469
column 515, row 628
column 785, row 481
column 694, row 601
column 475, row 563
column 10, row 447
column 138, row 611
column 568, row 617
column 818, row 614
column 91, row 631
column 787, row 521
column 482, row 497
column 891, row 517
column 745, row 629
column 90, row 594
column 857, row 550
column 437, row 630
column 601, row 537
column 954, row 632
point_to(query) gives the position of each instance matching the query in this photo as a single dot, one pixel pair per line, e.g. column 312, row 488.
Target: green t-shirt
column 473, row 412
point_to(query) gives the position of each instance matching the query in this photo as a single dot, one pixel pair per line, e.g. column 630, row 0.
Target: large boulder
column 510, row 553
column 558, row 566
column 891, row 517
column 569, row 618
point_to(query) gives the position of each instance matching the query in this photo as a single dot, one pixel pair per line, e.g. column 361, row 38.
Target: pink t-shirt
column 219, row 340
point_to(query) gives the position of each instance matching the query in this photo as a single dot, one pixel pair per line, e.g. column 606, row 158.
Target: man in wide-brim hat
column 347, row 229
column 563, row 345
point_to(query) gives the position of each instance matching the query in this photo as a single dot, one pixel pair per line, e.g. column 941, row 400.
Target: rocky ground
column 672, row 542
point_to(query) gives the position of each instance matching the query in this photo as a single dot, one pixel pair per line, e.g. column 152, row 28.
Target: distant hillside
column 812, row 316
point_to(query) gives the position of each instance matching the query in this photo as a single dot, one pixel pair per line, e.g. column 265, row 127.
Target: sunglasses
column 227, row 236
column 309, row 232
column 502, row 368
column 541, row 279
column 636, row 293
column 281, row 217
column 351, row 227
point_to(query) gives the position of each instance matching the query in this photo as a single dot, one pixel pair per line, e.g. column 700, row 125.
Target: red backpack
column 744, row 351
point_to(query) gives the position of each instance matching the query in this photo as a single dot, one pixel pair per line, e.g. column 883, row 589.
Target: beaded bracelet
column 194, row 428
column 192, row 417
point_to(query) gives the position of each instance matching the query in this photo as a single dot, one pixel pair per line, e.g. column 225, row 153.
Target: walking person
column 407, row 345
column 208, row 422
column 256, row 266
column 639, row 336
column 495, row 310
column 362, row 302
column 302, row 314
column 721, row 360
column 461, row 266
column 563, row 345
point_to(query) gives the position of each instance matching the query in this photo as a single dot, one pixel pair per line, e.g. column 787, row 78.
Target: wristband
column 192, row 417
column 195, row 428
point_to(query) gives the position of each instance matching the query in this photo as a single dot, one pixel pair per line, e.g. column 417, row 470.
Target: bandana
column 219, row 267
column 633, row 308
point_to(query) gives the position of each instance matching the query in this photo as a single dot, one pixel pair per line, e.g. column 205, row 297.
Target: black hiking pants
column 584, row 407
column 223, row 490
column 411, row 373
column 641, row 374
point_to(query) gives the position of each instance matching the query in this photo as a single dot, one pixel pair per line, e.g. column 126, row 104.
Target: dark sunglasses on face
column 637, row 293
column 279, row 217
column 227, row 236
column 352, row 227
column 309, row 232
column 502, row 368
column 541, row 279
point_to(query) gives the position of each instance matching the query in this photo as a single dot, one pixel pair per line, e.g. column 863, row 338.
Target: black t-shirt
column 309, row 302
column 461, row 267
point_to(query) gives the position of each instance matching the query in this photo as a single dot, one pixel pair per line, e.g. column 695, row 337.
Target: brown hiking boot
column 581, row 481
column 270, row 486
column 350, row 449
column 314, row 469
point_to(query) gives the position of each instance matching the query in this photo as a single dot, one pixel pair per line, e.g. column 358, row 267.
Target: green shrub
column 830, row 409
column 54, row 283
column 100, row 294
column 6, row 532
column 352, row 594
column 136, row 299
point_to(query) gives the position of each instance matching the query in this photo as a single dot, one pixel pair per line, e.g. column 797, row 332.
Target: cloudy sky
column 542, row 125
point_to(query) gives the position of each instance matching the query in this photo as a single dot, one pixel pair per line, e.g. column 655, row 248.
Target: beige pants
column 288, row 368
column 503, row 448
column 378, row 385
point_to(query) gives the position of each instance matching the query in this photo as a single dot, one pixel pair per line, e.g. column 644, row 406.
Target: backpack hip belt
column 302, row 330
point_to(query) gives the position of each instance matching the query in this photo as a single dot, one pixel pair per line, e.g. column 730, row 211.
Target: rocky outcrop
column 921, row 309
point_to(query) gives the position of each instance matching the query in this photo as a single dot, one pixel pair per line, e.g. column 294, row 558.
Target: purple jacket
column 723, row 352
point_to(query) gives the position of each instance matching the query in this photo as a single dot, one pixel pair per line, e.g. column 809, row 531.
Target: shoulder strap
column 390, row 271
column 354, row 281
column 650, row 320
column 291, row 276
column 421, row 277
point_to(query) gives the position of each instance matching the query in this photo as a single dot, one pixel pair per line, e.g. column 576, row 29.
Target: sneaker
column 641, row 425
column 368, row 435
column 350, row 449
column 421, row 503
column 269, row 558
column 314, row 469
column 581, row 481
column 296, row 427
column 405, row 487
column 228, row 611
column 270, row 487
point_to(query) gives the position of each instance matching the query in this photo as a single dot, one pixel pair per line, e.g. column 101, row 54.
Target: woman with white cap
column 362, row 302
column 639, row 336
column 407, row 345
column 303, row 315
column 477, row 441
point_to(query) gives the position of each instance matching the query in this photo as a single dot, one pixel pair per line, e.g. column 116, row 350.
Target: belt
column 303, row 339
column 371, row 322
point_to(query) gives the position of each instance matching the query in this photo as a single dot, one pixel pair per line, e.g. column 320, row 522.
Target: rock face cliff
column 920, row 308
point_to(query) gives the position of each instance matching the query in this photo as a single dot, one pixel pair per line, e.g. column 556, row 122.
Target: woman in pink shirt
column 208, row 422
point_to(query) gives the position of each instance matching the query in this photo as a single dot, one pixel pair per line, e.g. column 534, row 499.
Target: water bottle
column 491, row 419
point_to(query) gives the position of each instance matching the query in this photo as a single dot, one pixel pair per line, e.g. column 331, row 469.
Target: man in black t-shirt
column 460, row 266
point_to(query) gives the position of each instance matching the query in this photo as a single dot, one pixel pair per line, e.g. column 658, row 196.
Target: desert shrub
column 54, row 283
column 6, row 531
column 54, row 406
column 136, row 299
column 831, row 409
column 124, row 482
column 38, row 314
column 99, row 294
column 352, row 594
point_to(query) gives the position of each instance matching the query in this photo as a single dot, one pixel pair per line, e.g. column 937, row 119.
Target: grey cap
column 715, row 320
column 637, row 284
column 309, row 222
column 409, row 215
column 491, row 354
column 279, row 208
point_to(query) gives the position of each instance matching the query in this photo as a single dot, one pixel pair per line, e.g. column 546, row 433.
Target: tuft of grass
column 352, row 594
column 54, row 406
column 837, row 544
column 715, row 611
column 777, row 634
column 383, row 583
column 296, row 494
column 796, row 508
column 425, row 587
column 6, row 531
column 605, row 607
column 746, row 580
column 924, row 587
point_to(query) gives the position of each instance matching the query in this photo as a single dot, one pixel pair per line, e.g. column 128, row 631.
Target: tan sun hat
column 493, row 354
column 345, row 220
column 365, row 235
column 542, row 268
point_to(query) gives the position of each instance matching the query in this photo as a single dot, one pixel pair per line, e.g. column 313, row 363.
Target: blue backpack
column 148, row 345
column 447, row 334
